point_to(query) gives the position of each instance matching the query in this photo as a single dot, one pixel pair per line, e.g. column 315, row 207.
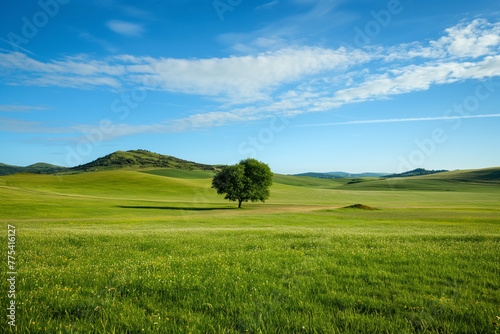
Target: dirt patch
column 359, row 207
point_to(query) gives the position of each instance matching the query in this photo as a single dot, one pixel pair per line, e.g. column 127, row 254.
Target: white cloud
column 396, row 120
column 473, row 39
column 76, row 72
column 251, row 77
column 99, row 41
column 81, row 65
column 312, row 17
column 416, row 78
column 73, row 82
column 287, row 81
column 125, row 28
column 20, row 108
column 465, row 40
column 8, row 124
column 268, row 5
column 239, row 79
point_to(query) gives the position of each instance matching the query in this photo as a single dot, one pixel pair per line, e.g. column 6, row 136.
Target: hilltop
column 117, row 160
column 142, row 159
column 166, row 165
column 339, row 175
column 484, row 180
column 38, row 168
column 417, row 172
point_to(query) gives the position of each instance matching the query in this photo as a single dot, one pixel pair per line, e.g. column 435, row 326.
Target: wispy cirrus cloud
column 314, row 16
column 19, row 108
column 8, row 124
column 267, row 6
column 468, row 39
column 258, row 76
column 251, row 77
column 120, row 7
column 124, row 28
column 288, row 81
column 236, row 78
column 96, row 40
column 417, row 78
column 397, row 120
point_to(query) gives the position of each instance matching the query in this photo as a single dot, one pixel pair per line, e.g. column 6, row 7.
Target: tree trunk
column 239, row 204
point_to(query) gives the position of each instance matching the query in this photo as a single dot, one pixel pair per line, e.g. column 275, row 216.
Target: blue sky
column 302, row 85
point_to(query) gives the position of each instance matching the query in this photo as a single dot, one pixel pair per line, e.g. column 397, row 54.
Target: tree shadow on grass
column 171, row 208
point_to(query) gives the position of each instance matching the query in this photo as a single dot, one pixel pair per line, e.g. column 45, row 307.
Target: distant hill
column 143, row 159
column 343, row 174
column 416, row 172
column 318, row 175
column 116, row 160
column 38, row 168
column 483, row 180
column 483, row 175
column 339, row 175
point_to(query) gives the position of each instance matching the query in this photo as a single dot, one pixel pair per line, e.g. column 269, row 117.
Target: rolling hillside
column 132, row 160
column 339, row 175
column 181, row 174
column 109, row 184
column 416, row 172
column 143, row 175
column 166, row 183
column 160, row 192
column 38, row 168
column 141, row 159
column 487, row 179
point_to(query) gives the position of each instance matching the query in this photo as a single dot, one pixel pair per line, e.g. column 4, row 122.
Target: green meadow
column 158, row 251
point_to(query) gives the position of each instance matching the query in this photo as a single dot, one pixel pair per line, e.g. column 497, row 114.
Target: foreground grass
column 131, row 252
column 329, row 271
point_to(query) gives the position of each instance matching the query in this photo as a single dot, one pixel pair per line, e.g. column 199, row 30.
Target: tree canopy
column 248, row 180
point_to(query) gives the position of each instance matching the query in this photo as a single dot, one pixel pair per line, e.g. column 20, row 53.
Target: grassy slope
column 35, row 168
column 181, row 174
column 340, row 271
column 119, row 184
column 478, row 180
column 121, row 193
column 132, row 251
column 140, row 159
column 307, row 181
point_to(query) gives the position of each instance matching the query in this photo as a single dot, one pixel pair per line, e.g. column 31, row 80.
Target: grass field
column 158, row 251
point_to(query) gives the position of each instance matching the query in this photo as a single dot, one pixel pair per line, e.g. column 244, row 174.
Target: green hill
column 307, row 181
column 154, row 192
column 8, row 169
column 416, row 172
column 318, row 182
column 487, row 179
column 477, row 180
column 141, row 159
column 110, row 184
column 38, row 168
column 181, row 174
column 485, row 175
column 339, row 175
column 135, row 159
column 319, row 175
column 184, row 175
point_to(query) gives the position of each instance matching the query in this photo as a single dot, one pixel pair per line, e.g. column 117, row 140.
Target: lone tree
column 248, row 180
